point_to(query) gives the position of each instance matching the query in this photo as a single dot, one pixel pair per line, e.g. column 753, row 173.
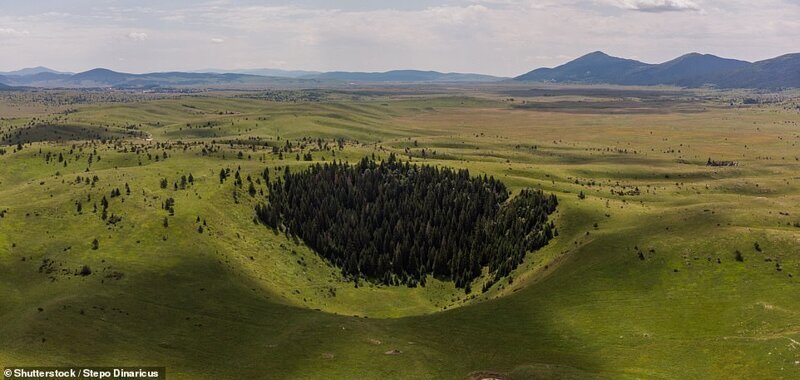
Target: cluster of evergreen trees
column 395, row 223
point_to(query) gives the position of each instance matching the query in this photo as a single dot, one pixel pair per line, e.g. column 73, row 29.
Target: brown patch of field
column 615, row 107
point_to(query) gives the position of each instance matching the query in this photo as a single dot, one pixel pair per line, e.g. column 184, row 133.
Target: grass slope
column 237, row 301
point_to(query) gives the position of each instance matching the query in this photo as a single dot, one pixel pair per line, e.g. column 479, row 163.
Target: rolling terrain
column 678, row 227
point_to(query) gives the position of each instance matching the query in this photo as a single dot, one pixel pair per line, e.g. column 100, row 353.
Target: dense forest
column 395, row 223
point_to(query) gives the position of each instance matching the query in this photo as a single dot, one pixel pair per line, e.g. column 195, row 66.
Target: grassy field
column 669, row 268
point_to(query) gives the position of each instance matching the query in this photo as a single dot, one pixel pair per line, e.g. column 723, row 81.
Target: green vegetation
column 642, row 280
column 397, row 223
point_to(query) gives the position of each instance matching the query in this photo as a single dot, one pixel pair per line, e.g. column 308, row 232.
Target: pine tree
column 396, row 222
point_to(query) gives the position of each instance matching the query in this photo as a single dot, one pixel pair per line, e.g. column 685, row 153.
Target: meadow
column 677, row 254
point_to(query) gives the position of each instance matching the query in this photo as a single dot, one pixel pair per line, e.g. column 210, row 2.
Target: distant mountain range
column 280, row 73
column 690, row 70
column 406, row 76
column 32, row 71
column 388, row 76
column 104, row 78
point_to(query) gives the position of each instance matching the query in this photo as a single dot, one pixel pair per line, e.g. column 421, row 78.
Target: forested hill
column 395, row 223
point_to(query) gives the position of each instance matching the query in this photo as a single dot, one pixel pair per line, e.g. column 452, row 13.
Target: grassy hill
column 643, row 281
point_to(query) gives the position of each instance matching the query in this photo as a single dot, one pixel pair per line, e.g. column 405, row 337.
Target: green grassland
column 643, row 280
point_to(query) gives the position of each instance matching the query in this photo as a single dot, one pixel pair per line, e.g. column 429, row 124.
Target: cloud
column 658, row 5
column 506, row 37
column 13, row 32
column 137, row 36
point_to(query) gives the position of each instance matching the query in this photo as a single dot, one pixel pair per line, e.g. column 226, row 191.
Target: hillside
column 783, row 71
column 405, row 76
column 280, row 73
column 100, row 77
column 691, row 70
column 105, row 78
column 596, row 67
column 121, row 250
column 32, row 71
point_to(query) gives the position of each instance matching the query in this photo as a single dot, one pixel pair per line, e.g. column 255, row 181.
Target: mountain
column 32, row 71
column 779, row 72
column 182, row 79
column 41, row 78
column 279, row 73
column 101, row 76
column 347, row 76
column 105, row 78
column 597, row 67
column 690, row 70
column 404, row 76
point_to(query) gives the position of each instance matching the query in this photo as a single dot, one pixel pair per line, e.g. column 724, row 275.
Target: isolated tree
column 169, row 205
column 85, row 271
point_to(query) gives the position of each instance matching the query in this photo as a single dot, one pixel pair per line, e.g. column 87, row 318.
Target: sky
column 499, row 37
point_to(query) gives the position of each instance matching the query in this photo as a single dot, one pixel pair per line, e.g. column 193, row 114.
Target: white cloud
column 137, row 36
column 505, row 37
column 658, row 5
column 13, row 32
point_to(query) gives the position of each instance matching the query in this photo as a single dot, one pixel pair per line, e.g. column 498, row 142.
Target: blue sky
column 502, row 37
